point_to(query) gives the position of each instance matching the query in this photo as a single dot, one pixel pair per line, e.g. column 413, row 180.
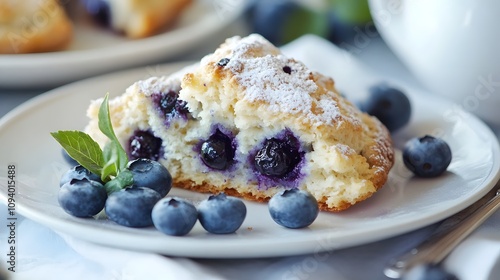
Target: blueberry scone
column 249, row 121
column 136, row 18
column 33, row 26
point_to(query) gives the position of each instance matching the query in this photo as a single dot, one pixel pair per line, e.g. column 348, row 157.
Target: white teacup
column 452, row 47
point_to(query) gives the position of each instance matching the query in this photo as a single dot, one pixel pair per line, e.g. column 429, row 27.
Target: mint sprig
column 82, row 148
column 110, row 163
column 114, row 154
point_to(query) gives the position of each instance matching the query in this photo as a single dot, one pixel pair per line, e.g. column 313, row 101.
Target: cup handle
column 387, row 16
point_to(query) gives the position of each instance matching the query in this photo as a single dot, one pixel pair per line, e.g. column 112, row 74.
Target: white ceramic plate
column 96, row 50
column 404, row 204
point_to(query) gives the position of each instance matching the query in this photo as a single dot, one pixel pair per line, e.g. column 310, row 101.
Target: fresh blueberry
column 427, row 156
column 151, row 174
column 78, row 172
column 390, row 105
column 428, row 272
column 82, row 198
column 99, row 10
column 281, row 21
column 217, row 151
column 132, row 206
column 143, row 144
column 277, row 157
column 174, row 216
column 68, row 159
column 221, row 214
column 170, row 106
column 293, row 208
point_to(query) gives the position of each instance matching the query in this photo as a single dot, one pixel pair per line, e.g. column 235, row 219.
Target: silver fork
column 448, row 235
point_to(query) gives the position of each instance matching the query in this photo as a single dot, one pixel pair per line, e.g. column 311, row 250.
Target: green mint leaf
column 112, row 162
column 110, row 168
column 123, row 180
column 82, row 148
column 114, row 154
column 106, row 128
column 104, row 119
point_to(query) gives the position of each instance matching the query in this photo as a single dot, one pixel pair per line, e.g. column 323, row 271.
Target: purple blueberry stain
column 143, row 144
column 278, row 161
column 170, row 107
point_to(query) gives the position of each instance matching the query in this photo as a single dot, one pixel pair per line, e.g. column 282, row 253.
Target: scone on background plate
column 30, row 26
column 136, row 18
column 250, row 122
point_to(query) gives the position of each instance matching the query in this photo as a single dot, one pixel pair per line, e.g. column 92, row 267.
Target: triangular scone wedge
column 265, row 104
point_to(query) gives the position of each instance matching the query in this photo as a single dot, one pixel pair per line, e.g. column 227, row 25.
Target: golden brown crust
column 33, row 26
column 210, row 189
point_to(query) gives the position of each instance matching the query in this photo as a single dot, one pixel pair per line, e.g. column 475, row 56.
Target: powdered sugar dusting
column 264, row 79
column 164, row 83
column 267, row 75
column 345, row 150
column 158, row 84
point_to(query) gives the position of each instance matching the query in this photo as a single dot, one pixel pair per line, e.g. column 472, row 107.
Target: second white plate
column 96, row 50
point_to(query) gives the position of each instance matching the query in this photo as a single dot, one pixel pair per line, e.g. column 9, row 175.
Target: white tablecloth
column 45, row 254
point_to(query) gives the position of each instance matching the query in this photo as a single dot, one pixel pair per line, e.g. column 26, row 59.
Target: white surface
column 96, row 50
column 404, row 204
column 452, row 51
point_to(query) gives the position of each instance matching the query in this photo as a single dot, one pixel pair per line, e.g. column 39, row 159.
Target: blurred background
column 282, row 21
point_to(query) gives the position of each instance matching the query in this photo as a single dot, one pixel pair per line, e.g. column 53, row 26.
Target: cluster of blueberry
column 144, row 203
column 425, row 156
column 84, row 194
